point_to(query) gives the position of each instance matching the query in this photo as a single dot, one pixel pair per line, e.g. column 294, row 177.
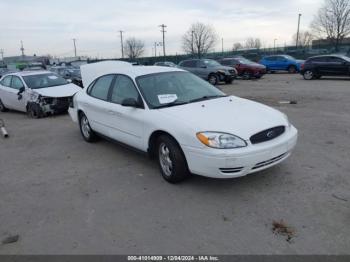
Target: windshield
column 44, row 80
column 210, row 63
column 175, row 88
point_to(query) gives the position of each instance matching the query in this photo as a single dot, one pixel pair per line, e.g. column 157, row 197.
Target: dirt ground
column 61, row 195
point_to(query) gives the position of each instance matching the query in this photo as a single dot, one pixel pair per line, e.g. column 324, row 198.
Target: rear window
column 44, row 80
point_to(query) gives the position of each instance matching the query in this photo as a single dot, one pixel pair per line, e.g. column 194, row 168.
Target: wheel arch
column 152, row 141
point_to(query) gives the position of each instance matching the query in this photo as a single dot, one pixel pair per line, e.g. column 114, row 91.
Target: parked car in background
column 325, row 65
column 168, row 64
column 38, row 93
column 4, row 71
column 246, row 69
column 180, row 120
column 70, row 72
column 281, row 63
column 210, row 70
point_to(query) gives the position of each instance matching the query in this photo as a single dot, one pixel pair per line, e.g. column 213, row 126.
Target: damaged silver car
column 39, row 93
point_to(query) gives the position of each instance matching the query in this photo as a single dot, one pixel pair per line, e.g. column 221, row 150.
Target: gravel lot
column 62, row 195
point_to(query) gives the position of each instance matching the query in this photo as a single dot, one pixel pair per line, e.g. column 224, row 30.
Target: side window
column 224, row 62
column 123, row 88
column 281, row 58
column 333, row 59
column 101, row 87
column 16, row 83
column 6, row 81
column 271, row 58
column 189, row 63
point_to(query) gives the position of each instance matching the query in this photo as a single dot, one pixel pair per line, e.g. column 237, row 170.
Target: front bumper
column 221, row 163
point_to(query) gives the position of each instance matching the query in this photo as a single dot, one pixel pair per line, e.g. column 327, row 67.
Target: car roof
column 29, row 73
column 92, row 71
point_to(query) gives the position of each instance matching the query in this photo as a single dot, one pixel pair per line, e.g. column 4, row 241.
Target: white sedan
column 188, row 125
column 38, row 93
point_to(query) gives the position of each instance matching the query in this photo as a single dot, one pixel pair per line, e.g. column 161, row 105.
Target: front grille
column 60, row 104
column 231, row 170
column 267, row 134
column 269, row 162
column 232, row 72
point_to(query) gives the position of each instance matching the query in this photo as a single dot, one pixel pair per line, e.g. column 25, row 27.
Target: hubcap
column 212, row 80
column 308, row 75
column 164, row 159
column 85, row 127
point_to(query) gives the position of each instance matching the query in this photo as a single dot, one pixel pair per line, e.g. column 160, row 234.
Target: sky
column 48, row 27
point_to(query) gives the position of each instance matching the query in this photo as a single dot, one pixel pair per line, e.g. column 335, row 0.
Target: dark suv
column 210, row 70
column 325, row 65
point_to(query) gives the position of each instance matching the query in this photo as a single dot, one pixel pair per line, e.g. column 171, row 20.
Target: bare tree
column 199, row 39
column 133, row 47
column 237, row 46
column 333, row 21
column 305, row 38
column 253, row 43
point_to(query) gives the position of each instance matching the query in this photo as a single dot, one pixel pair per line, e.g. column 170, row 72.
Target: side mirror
column 131, row 102
column 21, row 90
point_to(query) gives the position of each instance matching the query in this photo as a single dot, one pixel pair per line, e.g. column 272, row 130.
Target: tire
column 88, row 134
column 34, row 111
column 213, row 79
column 292, row 69
column 171, row 160
column 308, row 75
column 228, row 82
column 2, row 107
column 246, row 75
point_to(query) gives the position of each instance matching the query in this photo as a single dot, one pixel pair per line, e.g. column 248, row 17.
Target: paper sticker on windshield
column 53, row 77
column 167, row 98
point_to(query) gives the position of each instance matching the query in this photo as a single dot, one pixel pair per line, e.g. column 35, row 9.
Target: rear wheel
column 2, row 107
column 292, row 69
column 213, row 79
column 308, row 75
column 171, row 160
column 88, row 134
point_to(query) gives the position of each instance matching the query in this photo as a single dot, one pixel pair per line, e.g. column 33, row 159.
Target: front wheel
column 34, row 110
column 246, row 75
column 308, row 75
column 171, row 160
column 85, row 129
column 213, row 79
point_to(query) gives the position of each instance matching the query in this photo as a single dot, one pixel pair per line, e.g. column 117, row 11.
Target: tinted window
column 101, row 87
column 319, row 59
column 270, row 58
column 16, row 82
column 333, row 59
column 6, row 81
column 123, row 88
column 281, row 58
column 189, row 63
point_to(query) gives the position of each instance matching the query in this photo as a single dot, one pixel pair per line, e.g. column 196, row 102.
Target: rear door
column 5, row 94
column 281, row 63
column 95, row 104
column 9, row 88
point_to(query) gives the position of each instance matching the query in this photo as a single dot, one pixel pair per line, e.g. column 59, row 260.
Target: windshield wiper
column 174, row 103
column 206, row 98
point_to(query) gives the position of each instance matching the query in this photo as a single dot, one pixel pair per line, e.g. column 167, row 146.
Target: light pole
column 75, row 47
column 222, row 46
column 192, row 43
column 274, row 45
column 121, row 42
column 296, row 43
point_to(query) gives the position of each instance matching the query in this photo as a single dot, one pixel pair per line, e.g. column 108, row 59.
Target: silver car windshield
column 175, row 88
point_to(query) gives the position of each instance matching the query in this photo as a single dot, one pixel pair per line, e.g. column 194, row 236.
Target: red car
column 245, row 68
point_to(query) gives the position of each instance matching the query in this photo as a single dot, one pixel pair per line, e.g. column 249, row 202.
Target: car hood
column 58, row 91
column 233, row 115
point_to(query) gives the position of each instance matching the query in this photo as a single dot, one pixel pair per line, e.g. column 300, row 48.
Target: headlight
column 220, row 140
column 222, row 71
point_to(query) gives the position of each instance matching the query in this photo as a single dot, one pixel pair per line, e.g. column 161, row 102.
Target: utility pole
column 2, row 54
column 121, row 42
column 163, row 26
column 155, row 49
column 22, row 48
column 296, row 43
column 222, row 46
column 75, row 47
column 274, row 45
